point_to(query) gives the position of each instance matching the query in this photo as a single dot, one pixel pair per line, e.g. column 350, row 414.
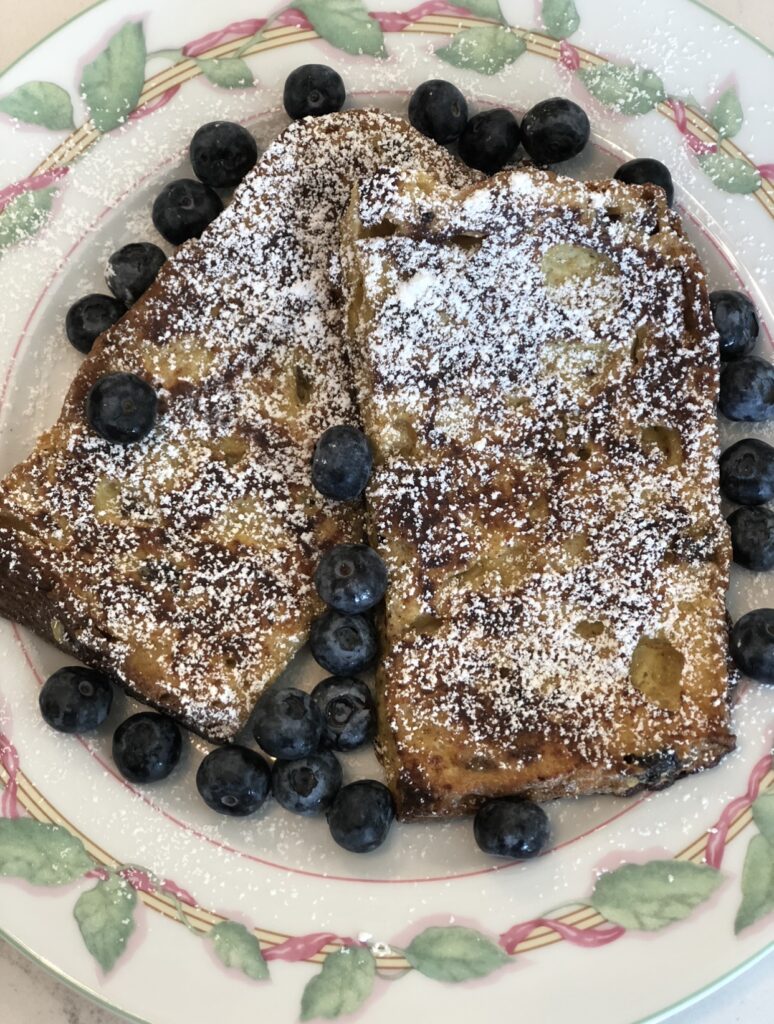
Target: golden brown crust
column 183, row 564
column 537, row 364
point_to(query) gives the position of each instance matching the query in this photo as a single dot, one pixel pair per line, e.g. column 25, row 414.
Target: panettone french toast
column 536, row 366
column 183, row 564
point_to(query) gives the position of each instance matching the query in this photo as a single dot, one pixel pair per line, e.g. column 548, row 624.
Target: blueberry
column 343, row 644
column 133, row 269
column 554, row 130
column 146, row 747
column 88, row 317
column 439, row 110
column 308, row 784
column 511, row 827
column 121, row 407
column 351, row 578
column 312, row 90
column 75, row 699
column 752, row 538
column 752, row 644
column 348, row 710
column 361, row 815
column 747, row 390
column 233, row 780
column 647, row 171
column 341, row 463
column 489, row 140
column 288, row 723
column 657, row 770
column 747, row 472
column 736, row 322
column 222, row 153
column 184, row 208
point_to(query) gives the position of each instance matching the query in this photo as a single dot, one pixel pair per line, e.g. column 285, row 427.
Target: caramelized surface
column 536, row 361
column 183, row 564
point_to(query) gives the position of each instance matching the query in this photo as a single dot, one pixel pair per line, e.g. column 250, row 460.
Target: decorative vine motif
column 633, row 897
column 487, row 50
column 758, row 870
column 628, row 89
column 41, row 103
column 718, row 834
column 560, row 18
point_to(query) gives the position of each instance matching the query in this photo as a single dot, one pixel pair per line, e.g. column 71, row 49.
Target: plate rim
column 94, row 996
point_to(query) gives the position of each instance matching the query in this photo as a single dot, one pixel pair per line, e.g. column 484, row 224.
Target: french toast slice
column 537, row 368
column 182, row 565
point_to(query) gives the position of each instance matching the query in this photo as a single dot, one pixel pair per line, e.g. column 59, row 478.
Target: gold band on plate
column 537, row 43
column 39, row 808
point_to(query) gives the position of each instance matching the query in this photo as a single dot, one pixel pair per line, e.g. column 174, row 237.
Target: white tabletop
column 28, row 995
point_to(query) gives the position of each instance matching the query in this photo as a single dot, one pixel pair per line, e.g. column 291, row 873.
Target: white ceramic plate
column 76, row 193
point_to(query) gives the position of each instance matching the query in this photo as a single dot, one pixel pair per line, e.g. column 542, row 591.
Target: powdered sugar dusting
column 539, row 367
column 183, row 563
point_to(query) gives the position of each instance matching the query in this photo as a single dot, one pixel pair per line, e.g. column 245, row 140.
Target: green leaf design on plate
column 105, row 916
column 560, row 18
column 25, row 215
column 757, row 883
column 345, row 981
column 454, row 954
column 690, row 101
column 41, row 854
column 111, row 84
column 40, row 103
column 487, row 49
column 228, row 72
column 763, row 815
column 345, row 24
column 629, row 89
column 730, row 173
column 239, row 948
column 483, row 8
column 727, row 115
column 654, row 895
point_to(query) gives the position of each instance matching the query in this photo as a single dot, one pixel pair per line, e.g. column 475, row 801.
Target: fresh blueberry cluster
column 747, row 469
column 301, row 731
column 351, row 580
column 552, row 131
column 121, row 407
column 129, row 273
column 221, row 154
